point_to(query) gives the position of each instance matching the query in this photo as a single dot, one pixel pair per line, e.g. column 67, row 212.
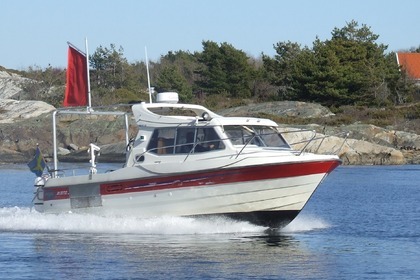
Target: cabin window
column 271, row 137
column 198, row 140
column 162, row 141
column 241, row 135
column 262, row 136
column 184, row 140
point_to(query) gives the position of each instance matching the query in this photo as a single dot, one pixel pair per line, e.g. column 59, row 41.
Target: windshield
column 262, row 136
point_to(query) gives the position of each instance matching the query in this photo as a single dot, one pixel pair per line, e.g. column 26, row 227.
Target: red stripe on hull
column 223, row 176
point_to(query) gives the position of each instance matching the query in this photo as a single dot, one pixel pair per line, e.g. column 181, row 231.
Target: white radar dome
column 167, row 97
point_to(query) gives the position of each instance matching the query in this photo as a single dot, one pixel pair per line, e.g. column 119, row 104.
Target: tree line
column 350, row 68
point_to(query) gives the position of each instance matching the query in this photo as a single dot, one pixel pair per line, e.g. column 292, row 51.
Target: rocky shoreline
column 24, row 124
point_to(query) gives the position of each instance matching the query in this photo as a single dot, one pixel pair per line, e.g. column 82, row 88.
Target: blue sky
column 35, row 33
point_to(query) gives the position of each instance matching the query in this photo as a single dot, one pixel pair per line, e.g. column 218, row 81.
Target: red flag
column 77, row 84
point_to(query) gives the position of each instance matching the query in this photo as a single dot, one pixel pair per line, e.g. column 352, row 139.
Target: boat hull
column 269, row 195
column 271, row 219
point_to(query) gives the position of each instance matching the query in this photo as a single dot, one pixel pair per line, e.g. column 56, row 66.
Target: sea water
column 362, row 223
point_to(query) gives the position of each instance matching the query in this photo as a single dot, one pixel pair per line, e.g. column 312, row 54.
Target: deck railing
column 193, row 147
column 306, row 144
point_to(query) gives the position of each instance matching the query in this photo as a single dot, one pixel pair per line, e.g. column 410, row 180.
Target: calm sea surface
column 362, row 223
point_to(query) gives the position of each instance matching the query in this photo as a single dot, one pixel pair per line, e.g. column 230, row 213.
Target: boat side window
column 241, row 135
column 208, row 139
column 234, row 133
column 162, row 141
column 153, row 142
column 185, row 140
column 271, row 137
column 197, row 140
column 255, row 135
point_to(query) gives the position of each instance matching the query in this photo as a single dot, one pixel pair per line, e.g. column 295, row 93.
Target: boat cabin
column 185, row 130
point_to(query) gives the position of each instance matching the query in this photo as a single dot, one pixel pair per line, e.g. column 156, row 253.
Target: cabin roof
column 410, row 62
column 145, row 115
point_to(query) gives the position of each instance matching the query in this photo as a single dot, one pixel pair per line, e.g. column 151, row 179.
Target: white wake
column 18, row 219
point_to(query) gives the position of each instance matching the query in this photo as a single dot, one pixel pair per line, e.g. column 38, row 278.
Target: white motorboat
column 189, row 161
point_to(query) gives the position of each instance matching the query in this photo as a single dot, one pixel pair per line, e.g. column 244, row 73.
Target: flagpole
column 88, row 76
column 55, row 156
column 148, row 76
